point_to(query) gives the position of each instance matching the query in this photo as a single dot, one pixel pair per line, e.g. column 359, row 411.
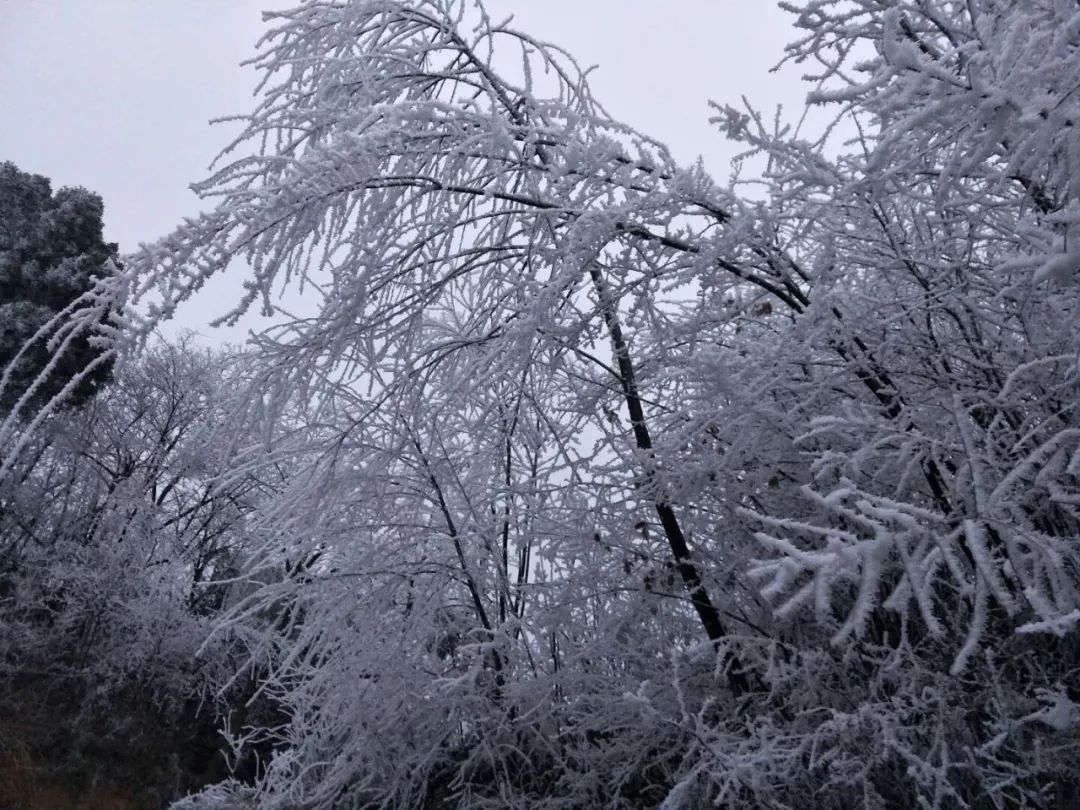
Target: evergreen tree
column 51, row 250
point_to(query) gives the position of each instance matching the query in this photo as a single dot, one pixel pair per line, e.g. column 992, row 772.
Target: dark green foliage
column 51, row 250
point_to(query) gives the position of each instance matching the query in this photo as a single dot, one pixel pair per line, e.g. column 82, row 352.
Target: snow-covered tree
column 117, row 543
column 929, row 386
column 51, row 252
column 608, row 487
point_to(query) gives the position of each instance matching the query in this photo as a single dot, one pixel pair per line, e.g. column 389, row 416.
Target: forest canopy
column 584, row 478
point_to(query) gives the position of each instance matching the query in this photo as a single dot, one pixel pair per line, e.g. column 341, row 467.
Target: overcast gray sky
column 115, row 95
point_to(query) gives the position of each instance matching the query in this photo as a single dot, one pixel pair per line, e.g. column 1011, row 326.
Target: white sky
column 115, row 95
